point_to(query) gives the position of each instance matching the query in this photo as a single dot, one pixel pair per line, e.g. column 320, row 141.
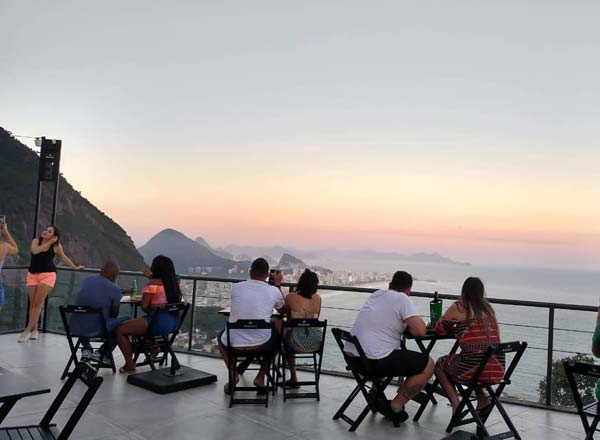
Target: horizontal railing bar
column 502, row 301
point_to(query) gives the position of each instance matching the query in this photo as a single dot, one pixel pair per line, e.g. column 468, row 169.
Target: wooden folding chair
column 466, row 391
column 361, row 371
column 266, row 359
column 47, row 430
column 70, row 315
column 152, row 342
column 316, row 356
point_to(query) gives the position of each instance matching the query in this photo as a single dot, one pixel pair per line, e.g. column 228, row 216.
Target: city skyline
column 463, row 129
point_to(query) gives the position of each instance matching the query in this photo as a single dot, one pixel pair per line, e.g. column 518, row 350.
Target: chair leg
column 480, row 425
column 360, row 418
column 285, row 365
column 274, row 373
column 592, row 429
column 347, row 403
column 231, row 374
column 457, row 416
column 112, row 362
column 316, row 371
column 72, row 359
column 496, row 402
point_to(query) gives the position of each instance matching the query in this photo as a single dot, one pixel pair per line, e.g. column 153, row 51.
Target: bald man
column 100, row 292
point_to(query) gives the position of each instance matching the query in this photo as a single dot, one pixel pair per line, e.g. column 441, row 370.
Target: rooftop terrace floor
column 121, row 411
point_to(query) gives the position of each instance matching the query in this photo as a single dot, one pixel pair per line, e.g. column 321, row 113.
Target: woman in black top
column 42, row 275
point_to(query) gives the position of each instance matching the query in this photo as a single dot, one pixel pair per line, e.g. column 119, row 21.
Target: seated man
column 379, row 327
column 102, row 293
column 253, row 299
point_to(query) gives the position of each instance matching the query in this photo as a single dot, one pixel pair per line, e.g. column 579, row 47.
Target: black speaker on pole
column 50, row 160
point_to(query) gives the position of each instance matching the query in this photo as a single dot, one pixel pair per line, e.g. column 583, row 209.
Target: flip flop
column 261, row 390
column 124, row 370
column 291, row 385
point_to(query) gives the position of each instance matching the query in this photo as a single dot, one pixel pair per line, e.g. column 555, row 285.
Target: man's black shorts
column 398, row 363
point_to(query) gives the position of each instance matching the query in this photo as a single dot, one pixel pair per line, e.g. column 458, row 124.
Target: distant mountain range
column 191, row 256
column 276, row 252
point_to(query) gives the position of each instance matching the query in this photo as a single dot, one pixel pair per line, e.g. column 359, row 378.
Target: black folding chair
column 466, row 391
column 47, row 430
column 362, row 372
column 266, row 359
column 89, row 316
column 151, row 345
column 588, row 411
column 300, row 325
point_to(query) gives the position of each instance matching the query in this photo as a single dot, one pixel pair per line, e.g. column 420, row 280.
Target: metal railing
column 535, row 325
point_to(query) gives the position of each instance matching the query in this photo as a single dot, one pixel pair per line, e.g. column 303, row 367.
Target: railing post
column 192, row 316
column 550, row 356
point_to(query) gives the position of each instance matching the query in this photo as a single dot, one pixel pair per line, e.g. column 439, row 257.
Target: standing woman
column 162, row 289
column 8, row 246
column 42, row 276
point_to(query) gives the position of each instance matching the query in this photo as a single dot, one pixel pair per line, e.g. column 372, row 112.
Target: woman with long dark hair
column 473, row 322
column 304, row 302
column 42, row 275
column 162, row 289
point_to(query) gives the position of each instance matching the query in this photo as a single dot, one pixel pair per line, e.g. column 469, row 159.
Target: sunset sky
column 469, row 128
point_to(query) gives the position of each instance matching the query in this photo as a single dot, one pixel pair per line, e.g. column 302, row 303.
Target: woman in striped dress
column 473, row 322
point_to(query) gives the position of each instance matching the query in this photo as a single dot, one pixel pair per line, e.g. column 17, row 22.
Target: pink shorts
column 46, row 278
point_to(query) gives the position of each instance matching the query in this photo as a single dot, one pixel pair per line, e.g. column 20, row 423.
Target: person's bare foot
column 126, row 369
column 454, row 404
column 483, row 405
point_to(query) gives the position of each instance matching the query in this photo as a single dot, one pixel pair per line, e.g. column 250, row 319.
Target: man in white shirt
column 379, row 327
column 253, row 299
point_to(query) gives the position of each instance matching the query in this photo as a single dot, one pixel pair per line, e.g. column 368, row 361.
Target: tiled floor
column 121, row 411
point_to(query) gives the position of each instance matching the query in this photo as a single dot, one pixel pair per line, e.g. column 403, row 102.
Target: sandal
column 291, row 385
column 124, row 370
column 485, row 410
column 227, row 387
column 155, row 354
column 261, row 390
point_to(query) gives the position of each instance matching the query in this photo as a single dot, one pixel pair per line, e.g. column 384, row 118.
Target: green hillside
column 88, row 235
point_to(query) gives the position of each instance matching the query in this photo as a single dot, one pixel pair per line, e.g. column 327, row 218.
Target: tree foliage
column 561, row 391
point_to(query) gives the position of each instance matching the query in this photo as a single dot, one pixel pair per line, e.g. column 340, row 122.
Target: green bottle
column 435, row 309
column 134, row 288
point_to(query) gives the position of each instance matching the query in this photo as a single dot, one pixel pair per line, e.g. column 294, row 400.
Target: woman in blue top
column 8, row 246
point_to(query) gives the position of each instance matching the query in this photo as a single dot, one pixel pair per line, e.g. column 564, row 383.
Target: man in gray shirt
column 100, row 292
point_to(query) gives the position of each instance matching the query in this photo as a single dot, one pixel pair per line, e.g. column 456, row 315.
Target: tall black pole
column 36, row 218
column 48, row 171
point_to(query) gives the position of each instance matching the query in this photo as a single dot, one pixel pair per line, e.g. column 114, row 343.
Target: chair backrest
column 582, row 368
column 573, row 368
column 343, row 337
column 86, row 374
column 308, row 323
column 82, row 321
column 247, row 324
column 498, row 350
column 180, row 309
